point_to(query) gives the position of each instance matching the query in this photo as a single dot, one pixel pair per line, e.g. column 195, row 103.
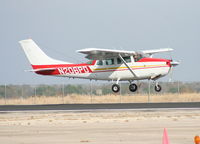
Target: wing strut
column 127, row 65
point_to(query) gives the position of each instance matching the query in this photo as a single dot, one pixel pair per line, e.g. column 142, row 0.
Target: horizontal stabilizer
column 41, row 70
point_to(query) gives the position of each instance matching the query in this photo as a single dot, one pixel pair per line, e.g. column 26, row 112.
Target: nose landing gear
column 157, row 88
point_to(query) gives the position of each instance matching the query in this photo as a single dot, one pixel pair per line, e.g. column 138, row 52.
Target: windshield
column 138, row 57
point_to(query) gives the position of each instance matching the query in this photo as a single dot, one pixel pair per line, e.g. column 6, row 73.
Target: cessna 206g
column 104, row 64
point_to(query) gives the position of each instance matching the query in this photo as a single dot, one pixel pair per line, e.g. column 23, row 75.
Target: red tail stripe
column 61, row 65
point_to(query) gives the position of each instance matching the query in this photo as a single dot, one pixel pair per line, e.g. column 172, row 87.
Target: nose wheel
column 115, row 88
column 158, row 88
column 133, row 87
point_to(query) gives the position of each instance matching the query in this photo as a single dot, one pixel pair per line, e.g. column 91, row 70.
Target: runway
column 108, row 106
column 99, row 123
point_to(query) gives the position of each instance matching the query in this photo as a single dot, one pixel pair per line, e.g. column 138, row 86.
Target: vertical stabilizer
column 35, row 55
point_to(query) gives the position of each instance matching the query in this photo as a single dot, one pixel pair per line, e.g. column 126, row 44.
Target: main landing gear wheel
column 115, row 88
column 158, row 88
column 133, row 87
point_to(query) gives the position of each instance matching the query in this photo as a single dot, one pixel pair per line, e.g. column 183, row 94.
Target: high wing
column 99, row 54
column 154, row 51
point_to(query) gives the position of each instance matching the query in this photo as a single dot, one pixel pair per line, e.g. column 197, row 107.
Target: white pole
column 178, row 88
column 91, row 91
column 5, row 93
column 35, row 93
column 120, row 93
column 21, row 98
column 63, row 92
column 149, row 88
column 22, row 92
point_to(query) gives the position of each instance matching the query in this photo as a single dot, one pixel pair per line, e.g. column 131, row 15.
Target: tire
column 115, row 88
column 133, row 87
column 158, row 88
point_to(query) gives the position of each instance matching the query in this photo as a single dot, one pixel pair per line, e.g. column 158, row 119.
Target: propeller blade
column 173, row 64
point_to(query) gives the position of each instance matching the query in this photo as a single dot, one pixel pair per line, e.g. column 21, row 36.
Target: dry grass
column 137, row 98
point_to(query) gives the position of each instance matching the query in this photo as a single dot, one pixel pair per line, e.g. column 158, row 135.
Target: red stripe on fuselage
column 128, row 69
column 88, row 70
column 61, row 65
column 153, row 60
column 62, row 69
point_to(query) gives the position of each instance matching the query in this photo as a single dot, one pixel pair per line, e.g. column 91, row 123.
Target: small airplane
column 103, row 64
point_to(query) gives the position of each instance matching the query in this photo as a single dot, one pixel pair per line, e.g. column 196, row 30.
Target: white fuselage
column 143, row 70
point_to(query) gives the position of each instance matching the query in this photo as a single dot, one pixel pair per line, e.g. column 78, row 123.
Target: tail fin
column 35, row 55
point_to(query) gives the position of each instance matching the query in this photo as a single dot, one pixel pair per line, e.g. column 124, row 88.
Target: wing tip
column 85, row 50
column 25, row 40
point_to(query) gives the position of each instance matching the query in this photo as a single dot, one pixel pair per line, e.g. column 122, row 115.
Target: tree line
column 16, row 91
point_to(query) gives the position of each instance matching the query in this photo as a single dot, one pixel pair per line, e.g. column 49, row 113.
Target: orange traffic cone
column 165, row 137
column 197, row 140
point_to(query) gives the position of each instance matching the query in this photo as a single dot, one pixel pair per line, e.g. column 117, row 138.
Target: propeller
column 172, row 65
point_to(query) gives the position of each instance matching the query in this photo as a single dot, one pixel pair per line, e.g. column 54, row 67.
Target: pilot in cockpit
column 137, row 57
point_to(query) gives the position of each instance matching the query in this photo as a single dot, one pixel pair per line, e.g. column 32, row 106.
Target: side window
column 119, row 61
column 110, row 62
column 127, row 59
column 99, row 62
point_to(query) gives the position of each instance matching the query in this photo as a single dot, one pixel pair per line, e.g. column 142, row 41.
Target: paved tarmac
column 109, row 106
column 99, row 126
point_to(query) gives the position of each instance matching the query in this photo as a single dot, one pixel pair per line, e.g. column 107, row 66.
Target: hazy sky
column 60, row 27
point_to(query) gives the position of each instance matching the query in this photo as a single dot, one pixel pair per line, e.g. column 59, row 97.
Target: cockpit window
column 110, row 62
column 127, row 59
column 138, row 57
column 89, row 62
column 99, row 62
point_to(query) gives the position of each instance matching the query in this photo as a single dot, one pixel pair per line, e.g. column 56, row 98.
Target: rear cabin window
column 110, row 62
column 99, row 62
column 119, row 61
